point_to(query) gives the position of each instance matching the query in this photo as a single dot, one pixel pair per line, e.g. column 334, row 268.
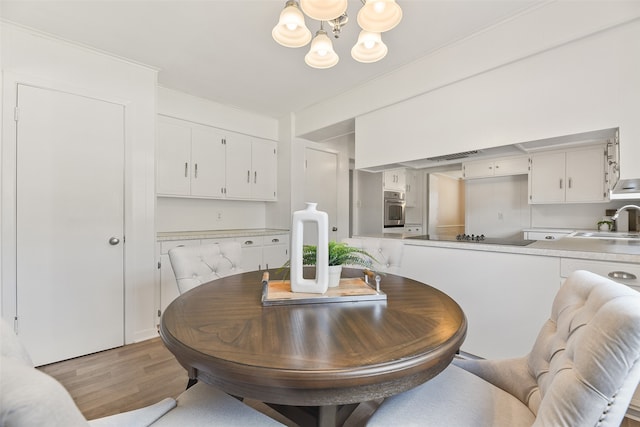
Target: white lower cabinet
column 251, row 253
column 545, row 235
column 275, row 252
column 258, row 253
column 168, row 284
column 625, row 273
column 506, row 297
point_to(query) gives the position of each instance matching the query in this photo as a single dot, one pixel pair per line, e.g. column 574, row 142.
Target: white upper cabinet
column 173, row 174
column 264, row 161
column 190, row 160
column 239, row 166
column 395, row 179
column 202, row 161
column 496, row 167
column 208, row 162
column 251, row 168
column 572, row 176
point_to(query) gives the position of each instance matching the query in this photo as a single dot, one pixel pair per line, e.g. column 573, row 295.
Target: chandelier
column 374, row 18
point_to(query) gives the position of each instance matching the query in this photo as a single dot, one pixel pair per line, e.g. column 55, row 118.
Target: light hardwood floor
column 141, row 374
column 137, row 375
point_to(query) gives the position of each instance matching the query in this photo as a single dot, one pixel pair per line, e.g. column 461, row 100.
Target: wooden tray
column 278, row 292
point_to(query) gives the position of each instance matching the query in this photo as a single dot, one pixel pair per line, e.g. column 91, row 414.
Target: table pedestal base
column 316, row 416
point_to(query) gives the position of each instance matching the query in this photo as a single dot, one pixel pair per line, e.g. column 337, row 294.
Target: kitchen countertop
column 566, row 247
column 217, row 234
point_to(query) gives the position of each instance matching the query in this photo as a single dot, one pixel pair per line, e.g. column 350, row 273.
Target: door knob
column 334, row 228
column 114, row 241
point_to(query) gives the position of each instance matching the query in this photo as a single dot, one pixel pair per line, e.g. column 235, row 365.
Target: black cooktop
column 472, row 238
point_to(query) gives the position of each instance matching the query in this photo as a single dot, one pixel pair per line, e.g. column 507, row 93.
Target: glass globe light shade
column 378, row 16
column 323, row 10
column 369, row 47
column 291, row 30
column 321, row 54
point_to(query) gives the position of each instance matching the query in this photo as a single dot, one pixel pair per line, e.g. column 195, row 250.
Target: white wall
column 185, row 214
column 278, row 213
column 35, row 58
column 585, row 85
column 509, row 41
column 497, row 207
column 573, row 216
column 199, row 110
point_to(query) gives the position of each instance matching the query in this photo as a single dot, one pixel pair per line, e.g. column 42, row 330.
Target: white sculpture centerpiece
column 320, row 283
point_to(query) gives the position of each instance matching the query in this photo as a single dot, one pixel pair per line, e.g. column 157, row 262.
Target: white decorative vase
column 319, row 284
column 335, row 271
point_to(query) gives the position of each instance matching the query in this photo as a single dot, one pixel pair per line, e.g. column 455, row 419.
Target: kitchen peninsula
column 506, row 290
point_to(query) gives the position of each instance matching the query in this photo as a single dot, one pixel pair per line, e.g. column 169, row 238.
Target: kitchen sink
column 606, row 235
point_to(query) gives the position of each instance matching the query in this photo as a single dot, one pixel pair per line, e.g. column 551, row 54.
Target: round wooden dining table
column 313, row 355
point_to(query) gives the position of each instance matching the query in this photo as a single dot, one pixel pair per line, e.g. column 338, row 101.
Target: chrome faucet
column 615, row 215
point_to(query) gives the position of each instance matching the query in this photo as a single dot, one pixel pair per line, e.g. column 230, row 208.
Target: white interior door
column 321, row 187
column 70, row 224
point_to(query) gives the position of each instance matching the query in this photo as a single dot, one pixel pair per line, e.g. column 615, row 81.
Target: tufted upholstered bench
column 195, row 265
column 388, row 252
column 582, row 371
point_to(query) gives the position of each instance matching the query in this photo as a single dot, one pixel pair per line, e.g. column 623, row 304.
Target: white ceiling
column 223, row 50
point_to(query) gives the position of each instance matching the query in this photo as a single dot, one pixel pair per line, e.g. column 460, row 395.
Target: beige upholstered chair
column 388, row 252
column 195, row 265
column 582, row 370
column 30, row 397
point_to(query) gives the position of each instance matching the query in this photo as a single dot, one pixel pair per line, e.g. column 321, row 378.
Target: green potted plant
column 605, row 225
column 339, row 254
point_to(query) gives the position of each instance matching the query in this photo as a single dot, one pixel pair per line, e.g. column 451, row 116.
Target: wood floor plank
column 120, row 379
column 137, row 375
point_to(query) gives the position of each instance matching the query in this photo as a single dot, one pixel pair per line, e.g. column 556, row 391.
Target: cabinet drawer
column 220, row 240
column 603, row 268
column 543, row 235
column 170, row 244
column 250, row 241
column 276, row 239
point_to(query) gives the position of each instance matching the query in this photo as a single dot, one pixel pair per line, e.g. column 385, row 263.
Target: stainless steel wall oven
column 394, row 209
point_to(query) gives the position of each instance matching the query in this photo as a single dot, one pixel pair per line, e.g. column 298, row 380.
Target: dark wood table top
column 314, row 354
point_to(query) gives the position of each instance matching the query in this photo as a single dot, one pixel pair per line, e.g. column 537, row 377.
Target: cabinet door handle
column 549, row 237
column 560, row 182
column 248, row 176
column 249, row 242
column 622, row 275
column 186, row 169
column 275, row 240
column 255, row 177
column 195, row 171
column 569, row 182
